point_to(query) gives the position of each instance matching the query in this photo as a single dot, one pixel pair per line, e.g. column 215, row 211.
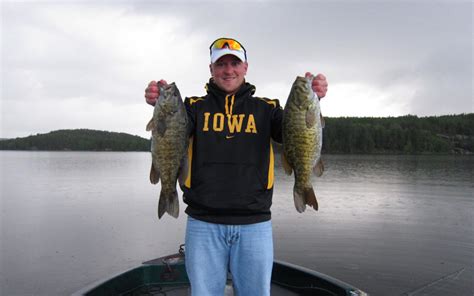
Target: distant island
column 78, row 140
column 449, row 134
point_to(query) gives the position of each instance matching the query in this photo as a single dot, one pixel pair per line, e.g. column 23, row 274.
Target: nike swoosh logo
column 229, row 137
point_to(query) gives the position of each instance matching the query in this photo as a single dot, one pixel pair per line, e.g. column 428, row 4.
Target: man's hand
column 152, row 92
column 319, row 84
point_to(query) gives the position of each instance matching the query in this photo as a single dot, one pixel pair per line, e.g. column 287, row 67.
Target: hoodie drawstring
column 228, row 107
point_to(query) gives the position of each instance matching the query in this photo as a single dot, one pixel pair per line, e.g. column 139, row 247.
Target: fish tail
column 298, row 196
column 303, row 197
column 310, row 198
column 168, row 203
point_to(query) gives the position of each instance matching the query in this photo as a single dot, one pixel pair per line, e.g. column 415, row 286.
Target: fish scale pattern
column 169, row 146
column 302, row 133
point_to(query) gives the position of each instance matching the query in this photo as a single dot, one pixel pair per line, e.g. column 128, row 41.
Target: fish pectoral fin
column 318, row 169
column 154, row 175
column 286, row 165
column 150, row 125
column 310, row 118
column 183, row 172
column 323, row 121
column 168, row 203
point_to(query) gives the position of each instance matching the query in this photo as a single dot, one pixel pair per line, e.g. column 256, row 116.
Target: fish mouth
column 304, row 82
column 168, row 86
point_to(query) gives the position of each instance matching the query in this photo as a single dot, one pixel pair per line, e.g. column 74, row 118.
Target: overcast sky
column 85, row 64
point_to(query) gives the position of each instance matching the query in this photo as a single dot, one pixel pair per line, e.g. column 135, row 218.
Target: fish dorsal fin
column 150, row 126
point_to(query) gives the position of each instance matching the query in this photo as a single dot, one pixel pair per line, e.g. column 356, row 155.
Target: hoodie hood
column 230, row 100
column 246, row 89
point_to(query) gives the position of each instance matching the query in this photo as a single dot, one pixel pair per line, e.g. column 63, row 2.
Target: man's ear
column 210, row 69
column 246, row 65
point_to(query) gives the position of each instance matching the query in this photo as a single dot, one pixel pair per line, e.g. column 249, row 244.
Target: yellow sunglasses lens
column 230, row 43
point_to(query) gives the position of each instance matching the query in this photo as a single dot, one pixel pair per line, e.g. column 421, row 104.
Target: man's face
column 229, row 73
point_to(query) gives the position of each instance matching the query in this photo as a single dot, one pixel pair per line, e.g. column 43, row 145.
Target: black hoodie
column 231, row 161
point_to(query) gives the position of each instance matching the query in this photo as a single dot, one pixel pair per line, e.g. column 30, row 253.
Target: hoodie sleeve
column 277, row 120
column 191, row 116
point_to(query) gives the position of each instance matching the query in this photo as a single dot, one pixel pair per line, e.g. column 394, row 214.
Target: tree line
column 450, row 134
column 78, row 140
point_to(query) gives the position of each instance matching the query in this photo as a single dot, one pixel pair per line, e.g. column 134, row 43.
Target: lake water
column 390, row 225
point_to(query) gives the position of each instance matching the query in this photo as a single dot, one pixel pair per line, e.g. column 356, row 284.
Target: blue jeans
column 214, row 249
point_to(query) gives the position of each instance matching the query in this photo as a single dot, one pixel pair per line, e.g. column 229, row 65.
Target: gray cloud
column 81, row 55
column 446, row 83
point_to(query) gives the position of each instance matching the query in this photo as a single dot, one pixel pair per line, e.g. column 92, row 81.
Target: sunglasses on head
column 232, row 44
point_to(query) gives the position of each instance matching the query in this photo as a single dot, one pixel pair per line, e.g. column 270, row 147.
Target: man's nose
column 227, row 68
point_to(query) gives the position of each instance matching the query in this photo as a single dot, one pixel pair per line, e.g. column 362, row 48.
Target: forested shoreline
column 78, row 140
column 449, row 134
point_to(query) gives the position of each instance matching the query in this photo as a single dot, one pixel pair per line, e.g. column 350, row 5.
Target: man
column 230, row 182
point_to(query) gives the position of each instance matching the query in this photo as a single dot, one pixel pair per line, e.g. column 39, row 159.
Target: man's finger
column 152, row 88
column 320, row 82
column 320, row 77
column 150, row 95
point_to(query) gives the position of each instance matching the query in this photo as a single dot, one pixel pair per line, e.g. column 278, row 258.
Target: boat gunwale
column 277, row 264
